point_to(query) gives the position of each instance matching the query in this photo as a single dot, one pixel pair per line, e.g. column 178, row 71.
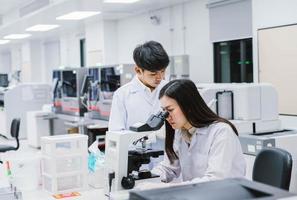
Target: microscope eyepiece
column 155, row 122
column 164, row 114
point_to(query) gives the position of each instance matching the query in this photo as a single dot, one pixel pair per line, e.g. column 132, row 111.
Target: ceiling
column 8, row 5
column 53, row 8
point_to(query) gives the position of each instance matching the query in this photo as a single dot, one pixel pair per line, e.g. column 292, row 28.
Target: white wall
column 138, row 29
column 198, row 44
column 183, row 29
column 16, row 57
column 37, row 68
column 269, row 13
column 51, row 59
column 230, row 20
column 31, row 61
column 69, row 47
column 10, row 17
column 94, row 42
column 25, row 62
column 110, row 42
column 101, row 44
column 5, row 62
column 35, row 60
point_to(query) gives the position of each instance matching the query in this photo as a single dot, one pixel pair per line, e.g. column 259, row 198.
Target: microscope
column 123, row 164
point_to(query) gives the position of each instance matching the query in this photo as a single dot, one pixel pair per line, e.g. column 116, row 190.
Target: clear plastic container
column 58, row 165
column 60, row 145
column 65, row 183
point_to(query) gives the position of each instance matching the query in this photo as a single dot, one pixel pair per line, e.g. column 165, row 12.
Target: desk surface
column 28, row 156
column 91, row 194
column 84, row 195
column 83, row 121
column 27, row 171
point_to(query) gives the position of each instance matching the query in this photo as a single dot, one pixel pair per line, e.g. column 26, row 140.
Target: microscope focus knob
column 128, row 182
column 269, row 145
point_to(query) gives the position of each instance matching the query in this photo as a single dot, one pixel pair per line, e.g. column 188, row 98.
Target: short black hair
column 151, row 56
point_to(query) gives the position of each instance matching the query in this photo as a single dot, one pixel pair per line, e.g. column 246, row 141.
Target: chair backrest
column 14, row 130
column 273, row 166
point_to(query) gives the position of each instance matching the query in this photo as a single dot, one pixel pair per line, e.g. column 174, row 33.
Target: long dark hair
column 199, row 115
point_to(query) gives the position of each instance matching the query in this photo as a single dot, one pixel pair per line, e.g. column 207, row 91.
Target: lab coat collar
column 138, row 85
column 194, row 132
column 198, row 131
column 202, row 131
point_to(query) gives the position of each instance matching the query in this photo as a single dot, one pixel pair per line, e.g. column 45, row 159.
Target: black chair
column 14, row 132
column 273, row 166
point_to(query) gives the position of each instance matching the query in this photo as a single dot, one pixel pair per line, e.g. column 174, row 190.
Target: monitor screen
column 86, row 84
column 4, row 80
column 57, row 74
column 69, row 83
column 228, row 191
column 55, row 86
column 110, row 81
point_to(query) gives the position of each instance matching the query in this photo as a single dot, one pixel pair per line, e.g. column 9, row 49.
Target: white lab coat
column 132, row 103
column 214, row 153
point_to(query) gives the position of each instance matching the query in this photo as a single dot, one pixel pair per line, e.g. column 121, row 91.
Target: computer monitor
column 55, row 86
column 86, row 84
column 227, row 189
column 57, row 74
column 110, row 81
column 4, row 80
column 69, row 83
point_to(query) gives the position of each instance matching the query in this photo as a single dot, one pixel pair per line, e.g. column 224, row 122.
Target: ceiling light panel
column 4, row 41
column 120, row 1
column 16, row 36
column 77, row 15
column 42, row 27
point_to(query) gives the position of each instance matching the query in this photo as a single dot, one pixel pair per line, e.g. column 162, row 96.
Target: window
column 233, row 61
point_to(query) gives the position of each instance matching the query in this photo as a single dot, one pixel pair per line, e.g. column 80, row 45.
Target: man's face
column 150, row 79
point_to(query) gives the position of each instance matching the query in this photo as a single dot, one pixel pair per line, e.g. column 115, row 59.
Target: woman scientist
column 200, row 145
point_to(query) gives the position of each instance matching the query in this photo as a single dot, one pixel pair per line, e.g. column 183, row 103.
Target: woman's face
column 176, row 117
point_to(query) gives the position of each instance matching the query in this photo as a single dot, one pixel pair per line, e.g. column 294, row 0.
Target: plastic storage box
column 64, row 163
column 64, row 144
